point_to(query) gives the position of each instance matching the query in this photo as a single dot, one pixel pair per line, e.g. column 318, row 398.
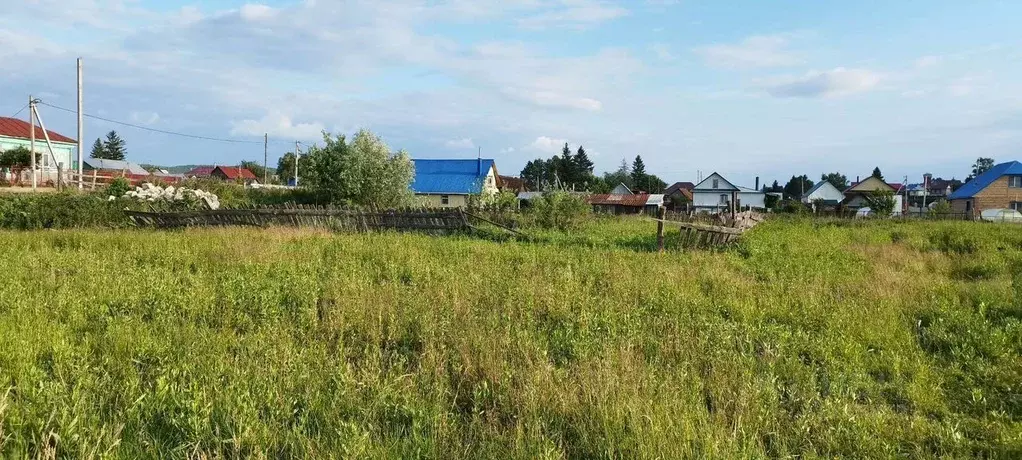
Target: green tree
column 258, row 170
column 363, row 171
column 796, row 186
column 286, row 168
column 16, row 159
column 535, row 174
column 113, row 147
column 836, row 179
column 981, row 166
column 638, row 172
column 583, row 168
column 881, row 202
column 98, row 151
column 877, row 174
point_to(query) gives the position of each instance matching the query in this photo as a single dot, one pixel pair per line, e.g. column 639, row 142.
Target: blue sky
column 745, row 88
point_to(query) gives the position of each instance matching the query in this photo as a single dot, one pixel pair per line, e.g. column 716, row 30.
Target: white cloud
column 507, row 150
column 927, row 61
column 755, row 51
column 257, row 12
column 577, row 14
column 547, row 145
column 464, row 143
column 830, row 83
column 662, row 52
column 278, row 125
column 144, row 118
column 553, row 99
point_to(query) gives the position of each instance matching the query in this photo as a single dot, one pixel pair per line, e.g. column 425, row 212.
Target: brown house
column 232, row 174
column 998, row 188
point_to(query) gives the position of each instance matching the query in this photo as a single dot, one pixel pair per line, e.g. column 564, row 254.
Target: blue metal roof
column 455, row 177
column 982, row 181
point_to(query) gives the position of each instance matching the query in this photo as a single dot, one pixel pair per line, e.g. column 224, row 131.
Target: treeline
column 574, row 172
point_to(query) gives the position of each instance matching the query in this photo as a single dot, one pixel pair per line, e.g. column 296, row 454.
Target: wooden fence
column 417, row 219
column 93, row 179
column 724, row 229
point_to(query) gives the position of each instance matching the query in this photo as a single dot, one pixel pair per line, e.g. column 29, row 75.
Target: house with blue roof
column 450, row 183
column 1000, row 187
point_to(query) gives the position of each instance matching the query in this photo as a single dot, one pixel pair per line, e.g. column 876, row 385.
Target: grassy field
column 816, row 339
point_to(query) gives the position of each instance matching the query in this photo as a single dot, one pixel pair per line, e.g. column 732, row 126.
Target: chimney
column 856, row 179
column 757, row 183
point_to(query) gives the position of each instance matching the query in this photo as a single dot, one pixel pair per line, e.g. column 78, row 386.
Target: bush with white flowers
column 174, row 196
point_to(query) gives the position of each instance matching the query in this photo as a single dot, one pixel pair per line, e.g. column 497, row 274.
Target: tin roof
column 115, row 165
column 637, row 200
column 982, row 181
column 455, row 177
column 19, row 129
column 232, row 172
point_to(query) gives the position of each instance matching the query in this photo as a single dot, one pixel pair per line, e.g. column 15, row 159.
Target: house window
column 723, row 198
column 445, row 200
column 1016, row 205
column 1015, row 181
column 716, row 183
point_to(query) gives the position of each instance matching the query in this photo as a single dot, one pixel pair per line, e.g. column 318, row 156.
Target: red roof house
column 232, row 173
column 19, row 129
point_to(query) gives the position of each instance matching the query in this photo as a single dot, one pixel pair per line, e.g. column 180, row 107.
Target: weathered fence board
column 704, row 235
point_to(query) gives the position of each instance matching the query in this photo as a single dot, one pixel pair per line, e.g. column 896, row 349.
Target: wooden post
column 93, row 179
column 60, row 176
column 661, row 214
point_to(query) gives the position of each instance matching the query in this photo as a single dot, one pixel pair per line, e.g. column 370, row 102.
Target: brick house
column 998, row 188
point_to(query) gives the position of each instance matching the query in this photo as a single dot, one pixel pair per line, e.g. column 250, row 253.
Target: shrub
column 59, row 210
column 940, row 208
column 559, row 210
column 118, row 187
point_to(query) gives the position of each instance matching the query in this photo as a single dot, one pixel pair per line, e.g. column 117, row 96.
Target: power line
column 19, row 111
column 146, row 128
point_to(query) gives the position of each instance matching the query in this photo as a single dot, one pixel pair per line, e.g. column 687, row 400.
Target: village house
column 717, row 194
column 104, row 167
column 450, row 183
column 1000, row 187
column 824, row 194
column 621, row 200
column 856, row 195
column 678, row 196
column 16, row 133
column 231, row 173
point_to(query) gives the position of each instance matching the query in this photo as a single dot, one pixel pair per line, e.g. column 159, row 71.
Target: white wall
column 709, row 199
column 754, row 199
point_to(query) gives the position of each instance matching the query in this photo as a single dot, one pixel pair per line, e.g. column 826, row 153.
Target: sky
column 744, row 88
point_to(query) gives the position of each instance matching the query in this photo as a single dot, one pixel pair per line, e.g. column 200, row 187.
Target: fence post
column 94, row 179
column 662, row 214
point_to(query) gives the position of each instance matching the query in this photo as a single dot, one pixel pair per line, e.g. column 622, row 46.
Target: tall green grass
column 810, row 338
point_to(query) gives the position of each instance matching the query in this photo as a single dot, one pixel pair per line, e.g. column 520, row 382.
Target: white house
column 717, row 194
column 751, row 198
column 823, row 192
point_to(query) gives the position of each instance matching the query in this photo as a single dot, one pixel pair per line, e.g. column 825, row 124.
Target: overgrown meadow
column 810, row 338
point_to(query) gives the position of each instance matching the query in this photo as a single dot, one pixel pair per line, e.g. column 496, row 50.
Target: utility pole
column 80, row 127
column 296, row 163
column 266, row 172
column 926, row 188
column 31, row 136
